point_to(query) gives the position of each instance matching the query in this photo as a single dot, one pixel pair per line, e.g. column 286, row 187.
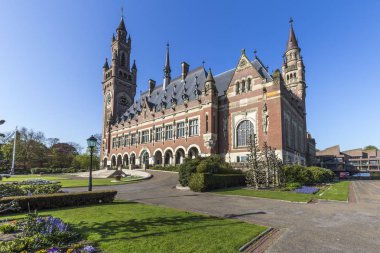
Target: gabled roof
column 177, row 90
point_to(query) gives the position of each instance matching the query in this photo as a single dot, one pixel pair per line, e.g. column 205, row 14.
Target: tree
column 253, row 162
column 62, row 155
column 370, row 147
column 82, row 162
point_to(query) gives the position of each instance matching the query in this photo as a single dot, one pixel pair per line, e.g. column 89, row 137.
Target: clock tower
column 119, row 83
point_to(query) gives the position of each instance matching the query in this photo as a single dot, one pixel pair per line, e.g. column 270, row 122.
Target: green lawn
column 134, row 227
column 70, row 181
column 336, row 191
column 283, row 195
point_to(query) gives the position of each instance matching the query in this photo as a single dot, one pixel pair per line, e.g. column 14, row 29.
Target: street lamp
column 91, row 142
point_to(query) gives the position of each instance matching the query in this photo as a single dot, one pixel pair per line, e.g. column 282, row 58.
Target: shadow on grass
column 115, row 230
column 231, row 216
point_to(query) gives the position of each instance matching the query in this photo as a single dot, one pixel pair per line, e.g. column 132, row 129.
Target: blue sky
column 52, row 53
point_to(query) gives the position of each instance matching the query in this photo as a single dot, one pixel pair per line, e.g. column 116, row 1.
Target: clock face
column 123, row 101
column 108, row 99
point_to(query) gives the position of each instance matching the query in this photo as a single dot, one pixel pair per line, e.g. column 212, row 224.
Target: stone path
column 321, row 227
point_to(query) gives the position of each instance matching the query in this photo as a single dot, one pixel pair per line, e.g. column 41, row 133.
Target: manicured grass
column 134, row 227
column 70, row 181
column 337, row 191
column 282, row 195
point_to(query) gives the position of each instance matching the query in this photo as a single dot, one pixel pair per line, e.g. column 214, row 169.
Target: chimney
column 152, row 85
column 185, row 70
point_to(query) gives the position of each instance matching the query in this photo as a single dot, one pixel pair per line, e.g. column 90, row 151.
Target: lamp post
column 91, row 142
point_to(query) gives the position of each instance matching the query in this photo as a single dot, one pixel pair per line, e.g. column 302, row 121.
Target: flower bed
column 29, row 187
column 307, row 190
column 43, row 235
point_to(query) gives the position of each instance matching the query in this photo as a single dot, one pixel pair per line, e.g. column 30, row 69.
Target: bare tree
column 253, row 162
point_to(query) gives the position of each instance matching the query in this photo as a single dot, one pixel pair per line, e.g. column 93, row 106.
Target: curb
column 262, row 234
column 175, row 172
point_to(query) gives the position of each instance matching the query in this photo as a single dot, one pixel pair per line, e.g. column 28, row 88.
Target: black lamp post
column 91, row 142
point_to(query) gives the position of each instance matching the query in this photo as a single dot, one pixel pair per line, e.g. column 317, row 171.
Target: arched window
column 249, row 84
column 122, row 60
column 243, row 132
column 145, row 158
column 237, row 88
column 243, row 86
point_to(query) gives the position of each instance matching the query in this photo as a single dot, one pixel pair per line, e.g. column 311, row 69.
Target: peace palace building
column 199, row 114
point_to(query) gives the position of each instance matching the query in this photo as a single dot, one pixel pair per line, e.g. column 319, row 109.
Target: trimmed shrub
column 321, row 175
column 10, row 190
column 53, row 170
column 58, row 200
column 207, row 181
column 41, row 189
column 186, row 169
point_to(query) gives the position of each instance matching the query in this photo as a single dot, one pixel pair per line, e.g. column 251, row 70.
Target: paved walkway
column 321, row 227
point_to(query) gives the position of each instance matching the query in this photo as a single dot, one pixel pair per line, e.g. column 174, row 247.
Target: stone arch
column 132, row 158
column 119, row 161
column 158, row 157
column 104, row 162
column 113, row 161
column 179, row 155
column 144, row 157
column 193, row 151
column 125, row 160
column 168, row 156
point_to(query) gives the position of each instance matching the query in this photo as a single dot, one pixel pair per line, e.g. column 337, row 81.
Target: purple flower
column 54, row 250
column 89, row 249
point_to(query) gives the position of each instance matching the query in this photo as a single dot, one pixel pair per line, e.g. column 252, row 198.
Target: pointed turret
column 134, row 65
column 106, row 66
column 121, row 25
column 167, row 69
column 121, row 30
column 210, row 77
column 292, row 40
column 210, row 82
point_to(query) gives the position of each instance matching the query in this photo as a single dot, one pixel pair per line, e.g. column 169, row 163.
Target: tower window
column 206, row 123
column 122, row 61
column 243, row 86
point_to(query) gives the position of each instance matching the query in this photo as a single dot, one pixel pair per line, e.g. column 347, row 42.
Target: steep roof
column 177, row 90
column 292, row 40
column 121, row 25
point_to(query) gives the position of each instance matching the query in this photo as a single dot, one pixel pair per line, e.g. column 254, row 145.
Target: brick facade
column 199, row 114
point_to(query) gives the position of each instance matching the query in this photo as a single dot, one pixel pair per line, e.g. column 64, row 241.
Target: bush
column 10, row 190
column 213, row 164
column 7, row 228
column 321, row 175
column 53, row 170
column 41, row 189
column 186, row 169
column 207, row 181
column 58, row 200
column 307, row 175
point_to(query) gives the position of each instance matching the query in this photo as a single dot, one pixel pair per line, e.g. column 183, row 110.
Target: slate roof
column 177, row 90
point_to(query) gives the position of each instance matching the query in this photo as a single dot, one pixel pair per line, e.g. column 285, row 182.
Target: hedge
column 166, row 168
column 57, row 200
column 206, row 181
column 53, row 170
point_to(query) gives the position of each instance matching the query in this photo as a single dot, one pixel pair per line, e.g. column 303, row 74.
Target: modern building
column 364, row 160
column 198, row 113
column 354, row 160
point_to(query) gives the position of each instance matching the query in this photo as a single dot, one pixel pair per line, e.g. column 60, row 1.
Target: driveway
column 321, row 227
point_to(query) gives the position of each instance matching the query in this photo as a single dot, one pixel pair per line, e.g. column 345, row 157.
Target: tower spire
column 292, row 40
column 167, row 69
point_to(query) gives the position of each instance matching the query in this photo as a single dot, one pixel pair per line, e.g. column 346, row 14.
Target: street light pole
column 91, row 142
column 90, row 177
column 14, row 154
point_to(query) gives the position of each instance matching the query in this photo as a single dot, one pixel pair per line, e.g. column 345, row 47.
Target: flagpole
column 14, row 154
